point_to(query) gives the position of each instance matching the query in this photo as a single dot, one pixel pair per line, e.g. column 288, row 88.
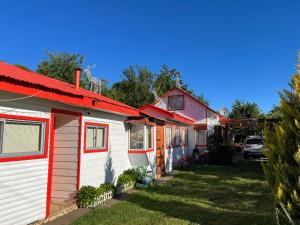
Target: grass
column 202, row 194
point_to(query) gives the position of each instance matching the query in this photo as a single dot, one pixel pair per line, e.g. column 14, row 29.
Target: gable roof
column 16, row 80
column 184, row 93
column 164, row 114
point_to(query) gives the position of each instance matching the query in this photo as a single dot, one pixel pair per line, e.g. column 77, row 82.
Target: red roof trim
column 16, row 80
column 172, row 115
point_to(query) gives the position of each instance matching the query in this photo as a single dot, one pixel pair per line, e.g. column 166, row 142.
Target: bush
column 133, row 173
column 183, row 162
column 220, row 151
column 143, row 176
column 86, row 196
column 124, row 179
column 105, row 188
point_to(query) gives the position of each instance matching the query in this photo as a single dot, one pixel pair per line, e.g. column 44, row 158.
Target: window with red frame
column 95, row 137
column 140, row 137
column 176, row 102
column 21, row 137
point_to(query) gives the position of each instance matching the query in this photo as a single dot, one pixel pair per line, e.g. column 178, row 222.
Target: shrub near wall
column 220, row 151
column 89, row 196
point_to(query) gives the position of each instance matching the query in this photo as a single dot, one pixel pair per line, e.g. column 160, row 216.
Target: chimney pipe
column 77, row 78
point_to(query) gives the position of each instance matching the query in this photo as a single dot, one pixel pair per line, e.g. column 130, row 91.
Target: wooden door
column 160, row 156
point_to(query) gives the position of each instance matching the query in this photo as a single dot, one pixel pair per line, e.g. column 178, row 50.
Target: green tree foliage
column 239, row 109
column 282, row 141
column 61, row 66
column 274, row 113
column 166, row 80
column 23, row 67
column 136, row 87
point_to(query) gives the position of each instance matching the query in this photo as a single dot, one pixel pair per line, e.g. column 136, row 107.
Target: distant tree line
column 138, row 86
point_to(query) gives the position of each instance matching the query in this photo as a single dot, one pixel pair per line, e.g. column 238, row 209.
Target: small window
column 21, row 138
column 149, row 138
column 184, row 136
column 177, row 137
column 96, row 137
column 169, row 137
column 137, row 136
column 201, row 137
column 141, row 137
column 176, row 102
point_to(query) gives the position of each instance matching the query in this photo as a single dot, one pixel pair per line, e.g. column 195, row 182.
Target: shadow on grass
column 206, row 194
column 199, row 214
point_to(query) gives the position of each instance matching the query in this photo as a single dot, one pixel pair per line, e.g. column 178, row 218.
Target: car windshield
column 254, row 141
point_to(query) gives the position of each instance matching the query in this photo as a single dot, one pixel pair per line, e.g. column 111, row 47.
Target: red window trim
column 106, row 126
column 169, row 108
column 201, row 145
column 134, row 151
column 32, row 119
column 140, row 151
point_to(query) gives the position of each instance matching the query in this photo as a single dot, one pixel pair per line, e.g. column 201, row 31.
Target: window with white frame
column 184, row 136
column 95, row 138
column 21, row 137
column 169, row 137
column 141, row 137
column 149, row 138
column 177, row 136
column 176, row 102
column 201, row 137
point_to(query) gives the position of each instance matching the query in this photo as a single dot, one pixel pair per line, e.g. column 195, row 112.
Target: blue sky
column 225, row 49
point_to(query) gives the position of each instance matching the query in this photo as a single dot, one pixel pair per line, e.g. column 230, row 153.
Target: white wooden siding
column 23, row 184
column 105, row 167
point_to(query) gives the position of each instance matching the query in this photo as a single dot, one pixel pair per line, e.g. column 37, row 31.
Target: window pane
column 201, row 137
column 179, row 102
column 176, row 102
column 168, row 136
column 186, row 137
column 149, row 137
column 90, row 137
column 177, row 137
column 137, row 136
column 100, row 138
column 95, row 137
column 21, row 137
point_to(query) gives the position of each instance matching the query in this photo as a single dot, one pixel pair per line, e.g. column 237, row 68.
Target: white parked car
column 253, row 147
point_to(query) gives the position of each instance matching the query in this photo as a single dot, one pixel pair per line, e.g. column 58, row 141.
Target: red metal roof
column 15, row 79
column 161, row 113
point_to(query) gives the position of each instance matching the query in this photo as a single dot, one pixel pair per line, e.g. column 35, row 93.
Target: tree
column 23, row 67
column 239, row 109
column 166, row 80
column 136, row 87
column 282, row 170
column 274, row 113
column 61, row 66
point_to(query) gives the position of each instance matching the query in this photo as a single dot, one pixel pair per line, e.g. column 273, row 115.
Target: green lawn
column 202, row 194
